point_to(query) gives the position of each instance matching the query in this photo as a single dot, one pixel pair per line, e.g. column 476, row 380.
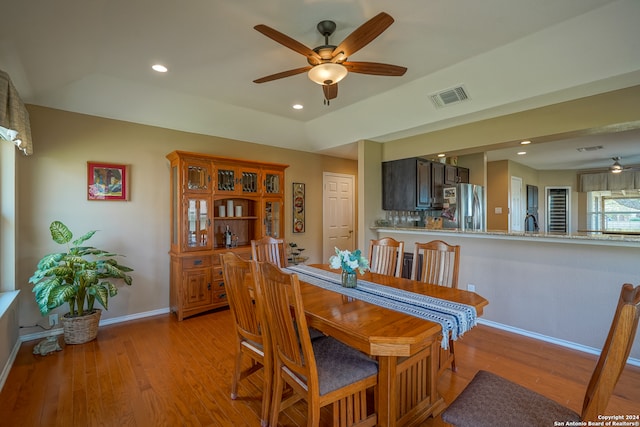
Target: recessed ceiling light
column 159, row 68
column 441, row 155
column 521, row 153
column 298, row 106
column 525, row 142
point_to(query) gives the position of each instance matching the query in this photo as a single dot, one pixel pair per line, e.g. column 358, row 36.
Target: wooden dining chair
column 437, row 262
column 323, row 371
column 490, row 400
column 269, row 249
column 386, row 256
column 240, row 277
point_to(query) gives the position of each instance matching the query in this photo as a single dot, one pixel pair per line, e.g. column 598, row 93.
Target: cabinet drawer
column 218, row 279
column 220, row 297
column 218, row 291
column 196, row 262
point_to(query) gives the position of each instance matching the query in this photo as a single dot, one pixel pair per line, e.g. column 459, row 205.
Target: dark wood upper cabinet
column 411, row 184
column 415, row 183
column 437, row 184
column 450, row 175
column 400, row 184
column 463, row 175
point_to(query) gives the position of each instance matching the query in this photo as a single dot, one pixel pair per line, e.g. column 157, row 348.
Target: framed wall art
column 107, row 181
column 298, row 207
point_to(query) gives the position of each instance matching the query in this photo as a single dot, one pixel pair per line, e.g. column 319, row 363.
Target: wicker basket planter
column 79, row 330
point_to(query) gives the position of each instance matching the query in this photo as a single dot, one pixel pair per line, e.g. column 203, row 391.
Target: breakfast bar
column 554, row 287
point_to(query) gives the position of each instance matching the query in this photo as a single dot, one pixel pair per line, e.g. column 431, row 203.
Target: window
column 614, row 211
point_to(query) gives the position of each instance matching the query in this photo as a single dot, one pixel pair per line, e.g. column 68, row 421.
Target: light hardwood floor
column 161, row 372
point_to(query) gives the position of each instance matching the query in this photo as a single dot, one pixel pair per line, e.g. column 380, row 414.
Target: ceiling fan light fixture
column 616, row 167
column 327, row 73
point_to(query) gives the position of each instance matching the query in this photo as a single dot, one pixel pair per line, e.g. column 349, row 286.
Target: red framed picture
column 107, row 181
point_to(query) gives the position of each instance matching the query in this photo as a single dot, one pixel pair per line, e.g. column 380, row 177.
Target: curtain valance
column 607, row 181
column 14, row 118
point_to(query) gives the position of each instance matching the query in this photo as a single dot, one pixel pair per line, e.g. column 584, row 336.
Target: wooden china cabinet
column 211, row 197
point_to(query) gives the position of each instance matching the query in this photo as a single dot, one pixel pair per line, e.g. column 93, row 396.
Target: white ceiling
column 94, row 57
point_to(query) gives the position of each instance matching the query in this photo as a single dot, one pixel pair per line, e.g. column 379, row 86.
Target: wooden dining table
column 407, row 348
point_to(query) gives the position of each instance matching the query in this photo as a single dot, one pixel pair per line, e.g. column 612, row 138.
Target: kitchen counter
column 560, row 288
column 590, row 238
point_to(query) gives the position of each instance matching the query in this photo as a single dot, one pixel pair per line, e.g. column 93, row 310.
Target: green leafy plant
column 76, row 277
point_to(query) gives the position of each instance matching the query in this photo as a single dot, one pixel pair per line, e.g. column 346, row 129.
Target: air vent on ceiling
column 450, row 96
column 594, row 148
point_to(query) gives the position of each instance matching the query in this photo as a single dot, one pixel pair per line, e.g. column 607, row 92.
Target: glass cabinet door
column 273, row 182
column 198, row 224
column 272, row 218
column 227, row 179
column 234, row 180
column 197, row 176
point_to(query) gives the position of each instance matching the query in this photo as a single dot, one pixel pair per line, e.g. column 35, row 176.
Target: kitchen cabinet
column 450, row 175
column 415, row 183
column 210, row 195
column 411, row 184
column 406, row 184
column 437, row 184
column 463, row 175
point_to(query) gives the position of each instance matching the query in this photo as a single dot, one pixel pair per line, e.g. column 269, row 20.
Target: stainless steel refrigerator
column 464, row 207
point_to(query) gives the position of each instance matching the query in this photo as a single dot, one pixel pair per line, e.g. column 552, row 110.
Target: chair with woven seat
column 240, row 277
column 437, row 262
column 386, row 256
column 269, row 249
column 490, row 400
column 323, row 371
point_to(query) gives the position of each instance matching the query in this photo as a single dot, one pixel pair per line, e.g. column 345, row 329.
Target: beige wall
column 562, row 289
column 476, row 163
column 498, row 195
column 53, row 184
column 370, row 194
column 543, row 124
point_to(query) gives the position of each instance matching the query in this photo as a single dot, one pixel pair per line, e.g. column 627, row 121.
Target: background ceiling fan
column 328, row 63
column 616, row 167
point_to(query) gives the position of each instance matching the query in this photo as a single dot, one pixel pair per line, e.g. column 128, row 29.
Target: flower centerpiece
column 349, row 262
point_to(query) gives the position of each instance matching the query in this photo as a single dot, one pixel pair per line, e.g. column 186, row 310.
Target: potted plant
column 79, row 277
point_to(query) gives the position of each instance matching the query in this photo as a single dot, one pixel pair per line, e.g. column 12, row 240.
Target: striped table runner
column 454, row 317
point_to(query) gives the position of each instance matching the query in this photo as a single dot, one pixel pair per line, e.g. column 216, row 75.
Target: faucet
column 535, row 221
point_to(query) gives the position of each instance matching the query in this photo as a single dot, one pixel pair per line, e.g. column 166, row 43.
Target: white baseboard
column 9, row 364
column 120, row 319
column 568, row 344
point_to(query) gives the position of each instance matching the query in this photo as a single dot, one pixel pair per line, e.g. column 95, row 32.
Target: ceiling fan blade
column 374, row 68
column 283, row 74
column 287, row 41
column 330, row 91
column 362, row 36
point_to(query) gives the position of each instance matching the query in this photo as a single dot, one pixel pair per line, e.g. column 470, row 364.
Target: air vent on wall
column 450, row 96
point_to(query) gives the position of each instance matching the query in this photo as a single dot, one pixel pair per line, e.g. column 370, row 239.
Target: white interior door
column 517, row 210
column 338, row 218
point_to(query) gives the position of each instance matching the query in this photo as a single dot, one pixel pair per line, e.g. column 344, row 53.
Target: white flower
column 349, row 262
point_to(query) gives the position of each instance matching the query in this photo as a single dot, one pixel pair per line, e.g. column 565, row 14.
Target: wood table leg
column 387, row 391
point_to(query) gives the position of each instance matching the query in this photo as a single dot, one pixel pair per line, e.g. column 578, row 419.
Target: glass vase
column 349, row 280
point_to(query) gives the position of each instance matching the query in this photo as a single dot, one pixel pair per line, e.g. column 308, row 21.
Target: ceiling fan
column 616, row 167
column 328, row 63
